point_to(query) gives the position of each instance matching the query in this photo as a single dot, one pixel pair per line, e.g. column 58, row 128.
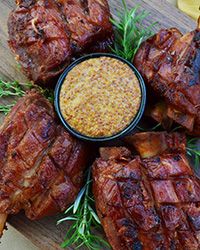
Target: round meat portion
column 45, row 34
column 41, row 165
column 39, row 38
column 150, row 201
column 170, row 64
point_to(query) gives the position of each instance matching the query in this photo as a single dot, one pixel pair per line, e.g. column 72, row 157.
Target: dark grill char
column 170, row 65
column 148, row 203
column 41, row 165
column 46, row 34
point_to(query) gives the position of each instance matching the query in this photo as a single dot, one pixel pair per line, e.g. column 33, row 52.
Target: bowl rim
column 118, row 135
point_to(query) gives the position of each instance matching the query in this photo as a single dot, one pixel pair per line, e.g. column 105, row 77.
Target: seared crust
column 45, row 34
column 148, row 203
column 41, row 164
column 170, row 65
column 149, row 144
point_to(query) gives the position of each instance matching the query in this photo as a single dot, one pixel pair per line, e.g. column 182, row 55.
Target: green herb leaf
column 193, row 150
column 130, row 31
column 78, row 199
column 6, row 108
column 10, row 89
column 157, row 126
column 96, row 218
column 83, row 216
column 65, row 219
column 16, row 89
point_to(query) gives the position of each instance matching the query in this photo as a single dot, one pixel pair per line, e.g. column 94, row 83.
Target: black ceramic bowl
column 122, row 133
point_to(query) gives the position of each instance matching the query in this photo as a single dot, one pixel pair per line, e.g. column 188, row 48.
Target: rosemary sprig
column 6, row 108
column 10, row 89
column 83, row 216
column 16, row 89
column 157, row 126
column 193, row 151
column 130, row 31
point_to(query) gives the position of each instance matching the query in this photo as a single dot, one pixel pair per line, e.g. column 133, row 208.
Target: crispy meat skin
column 148, row 203
column 170, row 65
column 150, row 144
column 46, row 34
column 41, row 165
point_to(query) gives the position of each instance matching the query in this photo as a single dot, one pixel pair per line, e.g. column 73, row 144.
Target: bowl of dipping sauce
column 100, row 97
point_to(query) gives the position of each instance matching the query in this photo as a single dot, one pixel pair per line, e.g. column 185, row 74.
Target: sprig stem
column 6, row 108
column 154, row 128
column 130, row 31
column 83, row 217
column 10, row 89
column 16, row 89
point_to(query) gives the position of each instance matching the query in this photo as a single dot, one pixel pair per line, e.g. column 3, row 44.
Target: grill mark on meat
column 179, row 205
column 25, row 176
column 43, row 154
column 84, row 4
column 148, row 186
column 54, row 162
column 29, row 174
column 13, row 113
column 45, row 26
column 127, row 224
column 60, row 201
column 172, row 72
column 178, row 219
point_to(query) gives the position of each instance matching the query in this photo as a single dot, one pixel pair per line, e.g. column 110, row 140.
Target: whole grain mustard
column 100, row 97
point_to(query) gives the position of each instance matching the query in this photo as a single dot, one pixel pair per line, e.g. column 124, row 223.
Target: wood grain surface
column 44, row 233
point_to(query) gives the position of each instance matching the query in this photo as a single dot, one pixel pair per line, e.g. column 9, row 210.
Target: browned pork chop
column 170, row 65
column 41, row 165
column 46, row 34
column 148, row 203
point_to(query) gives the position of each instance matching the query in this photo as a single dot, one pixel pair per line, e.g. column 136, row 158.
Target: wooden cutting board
column 44, row 233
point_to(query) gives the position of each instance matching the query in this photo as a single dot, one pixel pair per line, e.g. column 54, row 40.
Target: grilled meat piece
column 87, row 22
column 154, row 143
column 41, row 165
column 170, row 65
column 148, row 203
column 46, row 34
